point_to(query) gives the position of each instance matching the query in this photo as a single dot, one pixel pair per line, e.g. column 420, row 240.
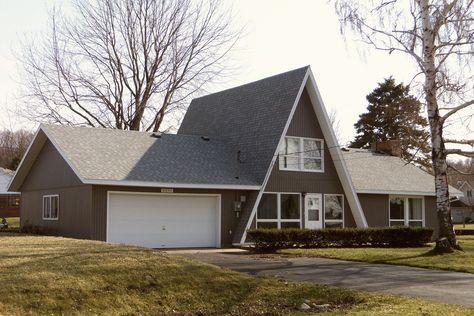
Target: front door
column 313, row 211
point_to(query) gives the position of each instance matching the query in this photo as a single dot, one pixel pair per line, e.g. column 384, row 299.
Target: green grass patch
column 464, row 226
column 61, row 276
column 13, row 222
column 416, row 257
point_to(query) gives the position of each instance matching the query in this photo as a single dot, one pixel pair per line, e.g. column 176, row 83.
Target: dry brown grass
column 60, row 276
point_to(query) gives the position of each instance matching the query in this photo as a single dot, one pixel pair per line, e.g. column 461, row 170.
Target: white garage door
column 163, row 221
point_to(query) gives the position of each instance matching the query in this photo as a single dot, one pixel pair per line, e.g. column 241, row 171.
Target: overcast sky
column 279, row 36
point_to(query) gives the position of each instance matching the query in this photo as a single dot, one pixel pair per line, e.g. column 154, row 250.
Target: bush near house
column 272, row 239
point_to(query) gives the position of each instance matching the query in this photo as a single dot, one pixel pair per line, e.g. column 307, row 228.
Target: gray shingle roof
column 251, row 117
column 382, row 173
column 107, row 154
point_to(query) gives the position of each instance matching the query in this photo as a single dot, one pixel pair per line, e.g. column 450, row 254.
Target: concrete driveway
column 441, row 286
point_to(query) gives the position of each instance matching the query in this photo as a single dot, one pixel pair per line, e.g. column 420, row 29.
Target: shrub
column 272, row 239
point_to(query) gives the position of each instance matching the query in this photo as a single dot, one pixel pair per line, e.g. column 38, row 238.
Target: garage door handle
column 163, row 227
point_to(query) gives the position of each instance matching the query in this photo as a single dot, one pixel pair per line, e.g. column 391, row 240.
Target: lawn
column 13, row 222
column 417, row 257
column 462, row 226
column 60, row 276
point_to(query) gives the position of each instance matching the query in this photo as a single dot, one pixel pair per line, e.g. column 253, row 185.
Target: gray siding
column 229, row 221
column 50, row 174
column 305, row 124
column 376, row 209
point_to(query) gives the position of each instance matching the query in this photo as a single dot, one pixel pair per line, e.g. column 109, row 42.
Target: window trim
column 49, row 196
column 406, row 212
column 301, row 156
column 324, row 211
column 279, row 220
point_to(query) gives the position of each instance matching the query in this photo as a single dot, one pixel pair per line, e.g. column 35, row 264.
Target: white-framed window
column 333, row 210
column 279, row 210
column 407, row 211
column 51, row 207
column 302, row 154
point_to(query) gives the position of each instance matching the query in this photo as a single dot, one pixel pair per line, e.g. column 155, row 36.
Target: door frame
column 305, row 210
column 218, row 208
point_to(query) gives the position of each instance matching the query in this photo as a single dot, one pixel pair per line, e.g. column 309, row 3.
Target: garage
column 163, row 220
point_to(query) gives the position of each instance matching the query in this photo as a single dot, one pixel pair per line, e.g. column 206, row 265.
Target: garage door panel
column 163, row 221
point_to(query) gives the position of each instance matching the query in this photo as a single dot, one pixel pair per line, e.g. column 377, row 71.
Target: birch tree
column 124, row 64
column 438, row 35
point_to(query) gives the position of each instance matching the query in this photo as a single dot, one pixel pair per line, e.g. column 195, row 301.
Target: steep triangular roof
column 250, row 117
column 254, row 118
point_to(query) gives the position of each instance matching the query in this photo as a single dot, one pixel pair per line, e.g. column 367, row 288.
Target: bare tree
column 13, row 145
column 124, row 64
column 336, row 125
column 439, row 37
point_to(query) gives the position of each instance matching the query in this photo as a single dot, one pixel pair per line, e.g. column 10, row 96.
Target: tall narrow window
column 302, row 154
column 50, row 207
column 333, row 210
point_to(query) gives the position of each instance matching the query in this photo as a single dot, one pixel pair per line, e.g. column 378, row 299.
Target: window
column 406, row 211
column 50, row 207
column 302, row 154
column 279, row 210
column 333, row 210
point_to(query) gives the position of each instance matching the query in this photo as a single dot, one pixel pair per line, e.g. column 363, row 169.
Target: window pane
column 267, row 225
column 292, row 146
column 290, row 225
column 313, row 215
column 415, row 223
column 397, row 223
column 333, row 224
column 267, row 208
column 333, row 207
column 289, row 162
column 416, row 208
column 312, row 148
column 48, row 207
column 290, row 206
column 54, row 207
column 397, row 208
column 312, row 164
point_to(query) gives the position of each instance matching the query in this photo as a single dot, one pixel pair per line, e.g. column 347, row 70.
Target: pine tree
column 393, row 113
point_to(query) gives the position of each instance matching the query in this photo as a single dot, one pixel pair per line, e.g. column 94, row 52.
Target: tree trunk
column 439, row 153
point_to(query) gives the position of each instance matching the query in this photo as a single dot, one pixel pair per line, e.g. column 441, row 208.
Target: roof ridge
column 106, row 129
column 253, row 82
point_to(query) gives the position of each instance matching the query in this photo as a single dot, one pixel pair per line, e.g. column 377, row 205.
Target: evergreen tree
column 393, row 113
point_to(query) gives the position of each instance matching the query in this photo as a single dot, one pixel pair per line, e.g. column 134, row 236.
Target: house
column 259, row 155
column 9, row 201
column 462, row 208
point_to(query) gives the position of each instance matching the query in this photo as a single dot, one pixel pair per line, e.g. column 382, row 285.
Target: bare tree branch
column 460, row 141
column 125, row 64
column 439, row 36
